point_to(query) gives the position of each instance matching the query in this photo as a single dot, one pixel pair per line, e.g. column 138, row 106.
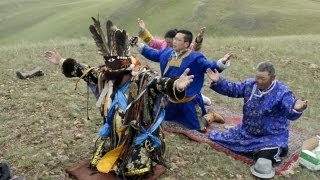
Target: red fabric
column 297, row 136
column 82, row 171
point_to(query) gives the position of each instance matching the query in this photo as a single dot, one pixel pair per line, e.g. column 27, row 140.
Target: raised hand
column 184, row 80
column 200, row 34
column 53, row 56
column 300, row 105
column 202, row 31
column 214, row 76
column 141, row 24
column 226, row 58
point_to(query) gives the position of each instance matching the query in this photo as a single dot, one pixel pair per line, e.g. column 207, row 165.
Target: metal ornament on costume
column 131, row 152
column 121, row 63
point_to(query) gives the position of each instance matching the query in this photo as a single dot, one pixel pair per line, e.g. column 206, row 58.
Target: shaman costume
column 266, row 116
column 190, row 110
column 129, row 97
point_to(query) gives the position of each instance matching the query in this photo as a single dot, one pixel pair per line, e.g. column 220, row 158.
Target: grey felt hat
column 263, row 168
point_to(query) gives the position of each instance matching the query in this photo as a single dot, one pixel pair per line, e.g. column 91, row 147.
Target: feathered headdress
column 114, row 47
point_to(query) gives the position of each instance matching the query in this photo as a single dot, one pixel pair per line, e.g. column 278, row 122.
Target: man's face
column 263, row 79
column 169, row 41
column 178, row 42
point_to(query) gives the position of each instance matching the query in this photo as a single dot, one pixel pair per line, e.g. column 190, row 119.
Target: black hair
column 171, row 33
column 266, row 66
column 188, row 36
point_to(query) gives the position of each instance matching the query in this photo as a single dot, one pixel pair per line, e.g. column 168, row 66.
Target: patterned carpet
column 232, row 118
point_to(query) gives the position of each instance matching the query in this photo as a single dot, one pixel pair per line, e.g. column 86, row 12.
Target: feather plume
column 109, row 27
column 98, row 40
column 120, row 41
column 115, row 43
column 99, row 37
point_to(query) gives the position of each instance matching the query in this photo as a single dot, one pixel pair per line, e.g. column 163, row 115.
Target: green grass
column 36, row 20
column 43, row 20
column 44, row 127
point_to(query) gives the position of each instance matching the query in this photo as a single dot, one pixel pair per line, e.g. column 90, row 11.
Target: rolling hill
column 36, row 20
column 43, row 126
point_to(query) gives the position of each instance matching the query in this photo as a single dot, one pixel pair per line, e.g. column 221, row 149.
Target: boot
column 214, row 117
column 29, row 74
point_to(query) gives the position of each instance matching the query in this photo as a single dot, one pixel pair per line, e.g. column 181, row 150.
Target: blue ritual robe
column 266, row 116
column 186, row 113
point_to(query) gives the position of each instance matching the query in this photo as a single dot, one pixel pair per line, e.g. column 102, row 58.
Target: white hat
column 263, row 168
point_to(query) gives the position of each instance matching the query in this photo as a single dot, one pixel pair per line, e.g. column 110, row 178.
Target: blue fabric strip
column 122, row 102
column 147, row 134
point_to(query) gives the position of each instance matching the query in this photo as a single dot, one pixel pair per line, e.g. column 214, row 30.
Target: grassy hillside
column 35, row 20
column 44, row 127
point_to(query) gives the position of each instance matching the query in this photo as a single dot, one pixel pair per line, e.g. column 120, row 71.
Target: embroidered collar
column 269, row 88
column 176, row 55
column 257, row 93
column 261, row 93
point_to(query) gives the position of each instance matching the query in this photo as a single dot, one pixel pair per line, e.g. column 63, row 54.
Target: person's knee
column 284, row 151
column 273, row 154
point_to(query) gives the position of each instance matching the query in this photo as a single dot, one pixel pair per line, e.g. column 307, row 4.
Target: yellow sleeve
column 145, row 35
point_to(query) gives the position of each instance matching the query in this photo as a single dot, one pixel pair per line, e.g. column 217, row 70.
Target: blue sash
column 147, row 134
column 120, row 100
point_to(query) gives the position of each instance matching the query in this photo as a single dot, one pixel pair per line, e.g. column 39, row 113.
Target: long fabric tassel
column 88, row 118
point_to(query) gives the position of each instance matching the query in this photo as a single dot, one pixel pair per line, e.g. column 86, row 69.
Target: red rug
column 233, row 118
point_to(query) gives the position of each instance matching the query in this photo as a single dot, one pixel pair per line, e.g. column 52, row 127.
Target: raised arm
column 71, row 68
column 148, row 52
column 198, row 40
column 222, row 86
column 147, row 37
column 219, row 65
column 292, row 107
column 173, row 87
column 144, row 33
column 54, row 57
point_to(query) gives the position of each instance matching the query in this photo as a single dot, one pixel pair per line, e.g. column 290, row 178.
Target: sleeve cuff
column 197, row 40
column 298, row 112
column 172, row 92
column 216, row 83
column 197, row 46
column 145, row 35
column 223, row 66
column 140, row 47
column 61, row 61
